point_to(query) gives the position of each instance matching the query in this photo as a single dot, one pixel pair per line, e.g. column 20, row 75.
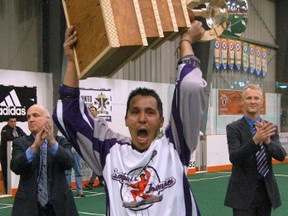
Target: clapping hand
column 264, row 131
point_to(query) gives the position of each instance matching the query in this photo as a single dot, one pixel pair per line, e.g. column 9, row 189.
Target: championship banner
column 264, row 62
column 101, row 99
column 231, row 54
column 245, row 57
column 217, row 53
column 258, row 60
column 252, row 58
column 238, row 54
column 230, row 103
column 14, row 101
column 224, row 53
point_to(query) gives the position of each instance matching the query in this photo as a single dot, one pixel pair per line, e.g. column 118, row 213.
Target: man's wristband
column 67, row 92
column 190, row 60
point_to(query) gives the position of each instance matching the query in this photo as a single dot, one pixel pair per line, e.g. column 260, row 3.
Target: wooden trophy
column 108, row 34
column 113, row 32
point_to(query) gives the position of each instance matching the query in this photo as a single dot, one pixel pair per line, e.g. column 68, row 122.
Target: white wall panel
column 42, row 81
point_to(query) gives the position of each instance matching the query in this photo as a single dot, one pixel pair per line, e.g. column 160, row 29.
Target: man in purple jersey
column 122, row 160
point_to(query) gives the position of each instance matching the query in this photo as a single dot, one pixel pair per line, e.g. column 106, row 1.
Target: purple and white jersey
column 153, row 182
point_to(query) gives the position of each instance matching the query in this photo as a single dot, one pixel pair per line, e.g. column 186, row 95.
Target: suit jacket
column 242, row 150
column 7, row 135
column 25, row 203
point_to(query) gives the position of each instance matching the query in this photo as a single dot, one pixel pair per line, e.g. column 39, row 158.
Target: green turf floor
column 209, row 190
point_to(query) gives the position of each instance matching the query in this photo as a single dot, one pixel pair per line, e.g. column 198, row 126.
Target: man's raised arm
column 192, row 35
column 70, row 78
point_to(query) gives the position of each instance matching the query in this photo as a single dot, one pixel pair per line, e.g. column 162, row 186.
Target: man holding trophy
column 123, row 160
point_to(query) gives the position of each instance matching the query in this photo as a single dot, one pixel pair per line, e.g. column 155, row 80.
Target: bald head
column 37, row 115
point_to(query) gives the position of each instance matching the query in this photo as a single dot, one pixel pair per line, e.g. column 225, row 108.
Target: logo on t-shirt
column 141, row 187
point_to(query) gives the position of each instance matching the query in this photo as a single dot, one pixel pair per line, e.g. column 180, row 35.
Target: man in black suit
column 27, row 162
column 9, row 133
column 252, row 192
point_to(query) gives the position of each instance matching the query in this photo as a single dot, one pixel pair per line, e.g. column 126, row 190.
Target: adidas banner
column 14, row 101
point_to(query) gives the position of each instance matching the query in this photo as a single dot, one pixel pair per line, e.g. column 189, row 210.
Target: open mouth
column 142, row 133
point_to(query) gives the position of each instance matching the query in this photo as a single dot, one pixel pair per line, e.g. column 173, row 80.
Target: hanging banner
column 264, row 62
column 230, row 103
column 224, row 53
column 217, row 54
column 258, row 60
column 245, row 57
column 231, row 54
column 238, row 54
column 101, row 99
column 14, row 101
column 252, row 58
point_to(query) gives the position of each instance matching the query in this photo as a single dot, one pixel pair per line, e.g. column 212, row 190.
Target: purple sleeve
column 91, row 137
column 187, row 108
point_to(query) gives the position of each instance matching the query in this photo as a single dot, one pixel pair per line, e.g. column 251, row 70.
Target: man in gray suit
column 253, row 142
column 27, row 162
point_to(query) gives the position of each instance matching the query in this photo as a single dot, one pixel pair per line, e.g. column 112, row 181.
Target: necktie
column 261, row 158
column 42, row 180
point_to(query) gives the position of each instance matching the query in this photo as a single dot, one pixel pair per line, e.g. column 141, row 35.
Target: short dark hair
column 11, row 117
column 145, row 92
column 92, row 107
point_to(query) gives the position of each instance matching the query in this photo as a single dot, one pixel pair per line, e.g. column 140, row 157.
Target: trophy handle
column 215, row 13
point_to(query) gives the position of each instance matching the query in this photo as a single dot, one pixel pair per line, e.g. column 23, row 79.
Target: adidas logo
column 11, row 105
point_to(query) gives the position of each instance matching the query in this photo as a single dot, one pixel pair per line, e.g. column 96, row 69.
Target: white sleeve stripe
column 82, row 108
column 59, row 113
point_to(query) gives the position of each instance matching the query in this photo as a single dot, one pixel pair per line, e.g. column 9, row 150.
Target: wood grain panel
column 108, row 34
